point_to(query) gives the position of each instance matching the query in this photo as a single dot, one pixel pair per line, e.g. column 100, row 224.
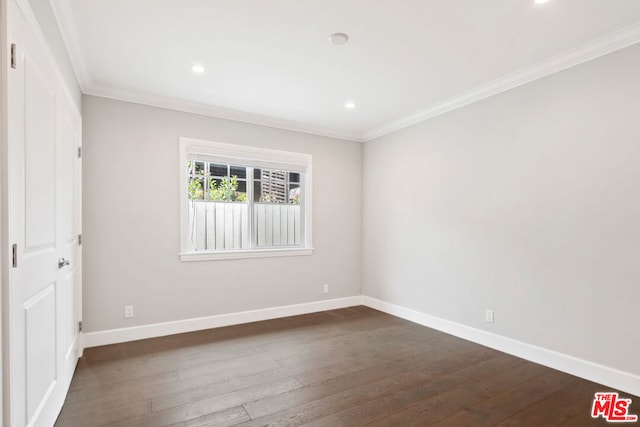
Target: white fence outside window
column 218, row 226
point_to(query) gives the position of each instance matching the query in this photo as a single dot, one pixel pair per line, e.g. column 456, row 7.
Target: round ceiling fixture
column 541, row 1
column 197, row 69
column 350, row 105
column 338, row 39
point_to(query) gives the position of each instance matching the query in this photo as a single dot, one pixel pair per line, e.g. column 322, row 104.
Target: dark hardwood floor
column 348, row 367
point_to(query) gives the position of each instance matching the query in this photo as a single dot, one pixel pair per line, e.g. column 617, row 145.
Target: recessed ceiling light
column 350, row 105
column 197, row 69
column 540, row 1
column 338, row 38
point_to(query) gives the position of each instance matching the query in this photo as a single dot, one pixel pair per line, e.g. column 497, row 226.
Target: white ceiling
column 271, row 62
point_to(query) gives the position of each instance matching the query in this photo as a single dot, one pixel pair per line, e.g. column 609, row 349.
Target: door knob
column 62, row 262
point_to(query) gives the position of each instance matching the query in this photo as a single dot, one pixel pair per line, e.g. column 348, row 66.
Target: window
column 242, row 202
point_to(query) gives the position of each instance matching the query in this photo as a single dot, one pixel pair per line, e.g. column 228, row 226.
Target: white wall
column 527, row 203
column 131, row 252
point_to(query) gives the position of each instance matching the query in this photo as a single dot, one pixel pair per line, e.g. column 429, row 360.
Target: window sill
column 243, row 254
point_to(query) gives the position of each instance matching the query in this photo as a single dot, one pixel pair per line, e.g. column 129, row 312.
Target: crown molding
column 610, row 43
column 177, row 104
column 63, row 15
column 602, row 46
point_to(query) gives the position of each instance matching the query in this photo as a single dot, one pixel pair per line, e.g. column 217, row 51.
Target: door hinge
column 80, row 326
column 79, row 239
column 79, row 152
column 14, row 255
column 13, row 56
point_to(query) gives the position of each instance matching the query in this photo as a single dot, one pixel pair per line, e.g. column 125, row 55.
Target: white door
column 43, row 223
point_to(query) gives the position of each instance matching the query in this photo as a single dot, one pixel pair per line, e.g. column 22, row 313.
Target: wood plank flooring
column 348, row 367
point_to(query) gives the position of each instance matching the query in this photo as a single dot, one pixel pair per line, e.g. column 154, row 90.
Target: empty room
column 320, row 213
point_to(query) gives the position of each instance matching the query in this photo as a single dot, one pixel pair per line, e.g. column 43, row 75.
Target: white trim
column 610, row 43
column 608, row 376
column 183, row 105
column 242, row 152
column 5, row 53
column 113, row 336
column 244, row 254
column 607, row 44
column 601, row 374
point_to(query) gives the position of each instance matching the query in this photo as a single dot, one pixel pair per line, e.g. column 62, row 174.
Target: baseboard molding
column 605, row 375
column 114, row 336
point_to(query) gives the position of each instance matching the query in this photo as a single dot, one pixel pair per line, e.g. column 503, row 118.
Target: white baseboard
column 601, row 374
column 610, row 377
column 113, row 336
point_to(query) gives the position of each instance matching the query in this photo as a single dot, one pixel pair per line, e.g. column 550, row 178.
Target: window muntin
column 237, row 206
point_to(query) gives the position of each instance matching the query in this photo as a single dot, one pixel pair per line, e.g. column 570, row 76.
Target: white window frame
column 254, row 157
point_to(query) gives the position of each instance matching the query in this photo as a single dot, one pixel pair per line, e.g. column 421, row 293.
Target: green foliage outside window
column 226, row 191
column 195, row 189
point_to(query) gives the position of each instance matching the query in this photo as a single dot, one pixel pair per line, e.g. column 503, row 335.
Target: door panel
column 43, row 221
column 40, row 323
column 40, row 141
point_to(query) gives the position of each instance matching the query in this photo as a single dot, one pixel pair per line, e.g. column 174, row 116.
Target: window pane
column 257, row 191
column 200, row 168
column 217, row 170
column 212, row 189
column 278, row 225
column 230, row 189
column 294, row 194
column 240, row 194
column 220, row 217
column 239, row 172
column 196, row 188
column 273, row 189
column 219, row 189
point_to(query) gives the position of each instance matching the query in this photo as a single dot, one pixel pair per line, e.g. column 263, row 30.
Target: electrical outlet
column 325, row 289
column 128, row 311
column 488, row 316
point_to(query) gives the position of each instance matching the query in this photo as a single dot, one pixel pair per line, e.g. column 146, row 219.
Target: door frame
column 5, row 243
column 4, row 280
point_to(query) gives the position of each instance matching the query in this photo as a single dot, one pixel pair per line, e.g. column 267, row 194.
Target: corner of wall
column 606, row 375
